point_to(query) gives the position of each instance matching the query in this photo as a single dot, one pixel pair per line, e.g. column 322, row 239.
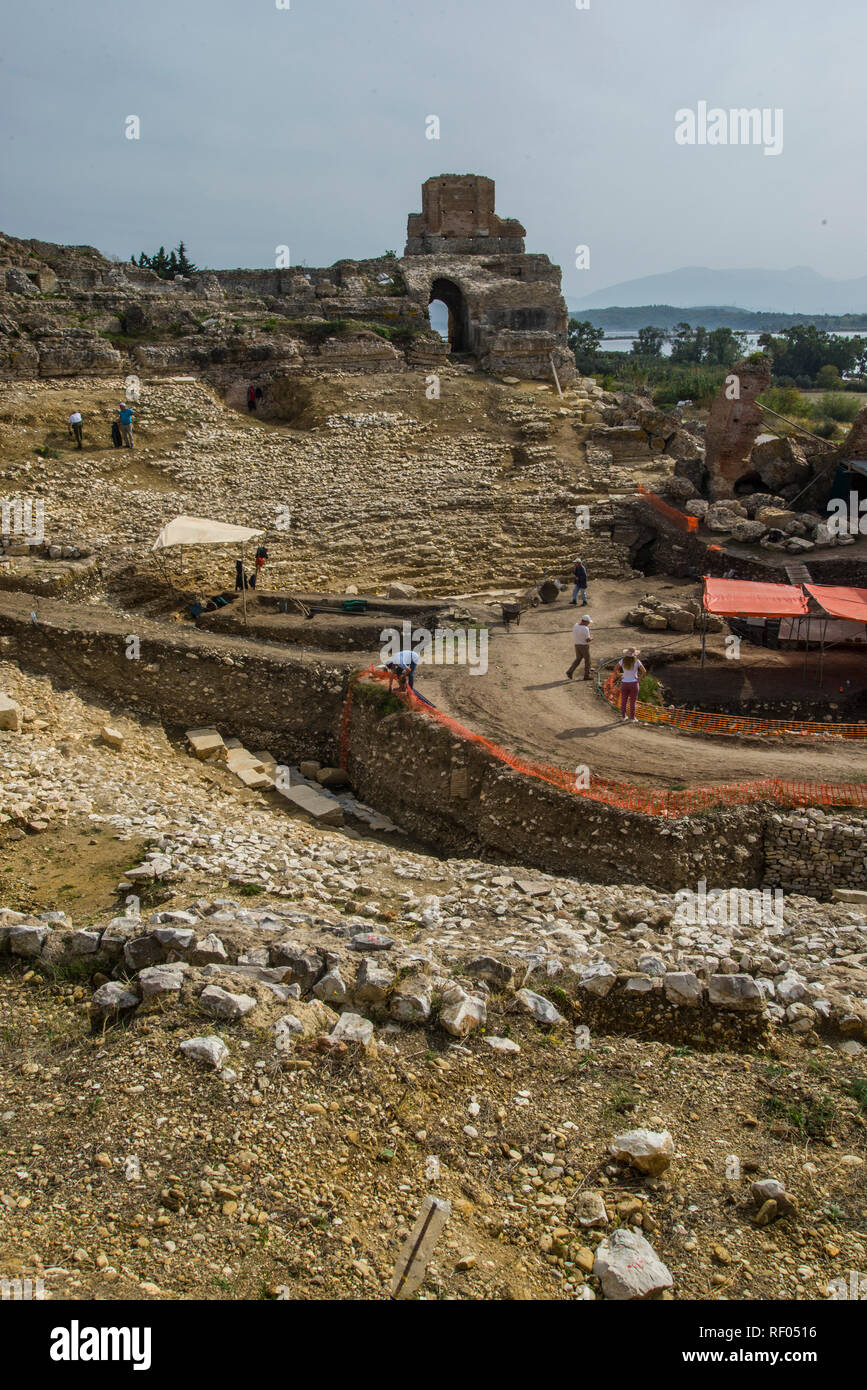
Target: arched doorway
column 456, row 330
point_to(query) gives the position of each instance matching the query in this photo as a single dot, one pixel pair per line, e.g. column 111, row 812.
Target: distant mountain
column 799, row 290
column 627, row 319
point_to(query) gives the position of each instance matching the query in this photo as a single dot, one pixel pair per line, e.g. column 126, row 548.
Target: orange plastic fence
column 686, row 523
column 624, row 795
column 703, row 722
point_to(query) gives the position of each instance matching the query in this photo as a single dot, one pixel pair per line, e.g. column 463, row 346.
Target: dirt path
column 525, row 702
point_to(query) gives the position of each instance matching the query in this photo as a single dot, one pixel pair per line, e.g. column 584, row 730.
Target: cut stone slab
column 371, row 941
column 221, row 1004
column 160, row 979
column 209, row 950
column 644, row 1150
column 113, row 997
column 682, row 988
column 411, row 1000
column 542, row 1009
column 737, row 992
column 332, row 777
column 27, row 941
column 320, row 808
column 532, row 888
column 629, row 1267
column 238, row 757
column 10, row 715
column 331, row 989
column 372, row 983
column 212, row 1051
column 304, row 966
column 207, row 745
column 352, row 1028
column 598, row 979
column 462, row 1012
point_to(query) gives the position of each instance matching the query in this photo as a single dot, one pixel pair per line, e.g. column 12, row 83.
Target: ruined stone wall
column 451, row 794
column 465, row 801
column 676, row 552
column 733, row 425
column 815, row 852
column 265, row 696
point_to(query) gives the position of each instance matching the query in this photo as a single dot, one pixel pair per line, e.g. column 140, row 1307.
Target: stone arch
column 450, row 294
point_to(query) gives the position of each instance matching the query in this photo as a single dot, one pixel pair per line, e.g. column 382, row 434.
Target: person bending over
column 402, row 669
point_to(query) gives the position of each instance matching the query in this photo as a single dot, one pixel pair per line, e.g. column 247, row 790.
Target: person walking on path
column 74, row 426
column 579, row 583
column 582, row 639
column 124, row 419
column 631, row 670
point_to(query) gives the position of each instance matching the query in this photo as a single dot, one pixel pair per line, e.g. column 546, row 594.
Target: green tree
column 804, row 349
column 185, row 265
column 167, row 266
column 584, row 340
column 828, row 378
column 649, row 342
column 723, row 347
column 689, row 344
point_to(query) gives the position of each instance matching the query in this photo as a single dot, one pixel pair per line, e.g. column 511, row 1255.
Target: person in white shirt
column 631, row 670
column 581, row 638
column 73, row 424
column 402, row 667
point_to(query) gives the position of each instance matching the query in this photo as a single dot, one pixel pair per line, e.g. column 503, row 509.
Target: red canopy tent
column 744, row 598
column 840, row 601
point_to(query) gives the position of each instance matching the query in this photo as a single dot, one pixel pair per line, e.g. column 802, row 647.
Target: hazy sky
column 306, row 127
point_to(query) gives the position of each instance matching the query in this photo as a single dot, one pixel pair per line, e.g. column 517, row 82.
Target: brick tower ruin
column 505, row 307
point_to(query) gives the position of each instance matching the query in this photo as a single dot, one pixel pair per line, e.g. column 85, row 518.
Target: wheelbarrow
column 512, row 611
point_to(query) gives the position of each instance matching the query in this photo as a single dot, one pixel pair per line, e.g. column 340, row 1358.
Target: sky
column 307, row 127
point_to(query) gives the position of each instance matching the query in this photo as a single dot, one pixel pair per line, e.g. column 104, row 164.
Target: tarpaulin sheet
column 840, row 601
column 745, row 598
column 199, row 530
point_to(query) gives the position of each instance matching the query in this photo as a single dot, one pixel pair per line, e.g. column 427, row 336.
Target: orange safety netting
column 744, row 725
column 686, row 523
column 624, row 795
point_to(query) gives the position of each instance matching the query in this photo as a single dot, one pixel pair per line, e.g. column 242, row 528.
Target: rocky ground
column 382, row 1024
column 458, row 490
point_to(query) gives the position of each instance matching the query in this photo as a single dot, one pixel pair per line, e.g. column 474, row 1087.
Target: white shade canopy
column 199, row 530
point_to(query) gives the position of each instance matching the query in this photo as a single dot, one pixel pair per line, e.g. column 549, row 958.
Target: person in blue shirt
column 124, row 419
column 579, row 583
column 402, row 668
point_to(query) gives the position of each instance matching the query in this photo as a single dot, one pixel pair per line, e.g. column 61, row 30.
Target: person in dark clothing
column 116, row 436
column 579, row 583
column 241, row 580
column 251, row 398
